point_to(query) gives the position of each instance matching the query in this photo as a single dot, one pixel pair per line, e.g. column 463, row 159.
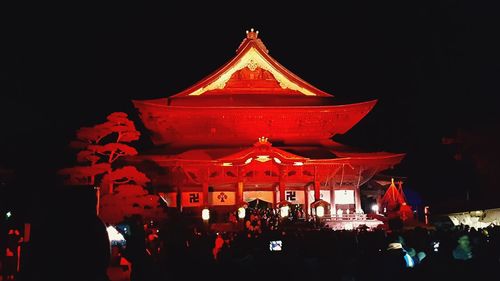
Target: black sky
column 434, row 66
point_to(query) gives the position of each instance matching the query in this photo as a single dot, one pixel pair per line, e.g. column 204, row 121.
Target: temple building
column 254, row 130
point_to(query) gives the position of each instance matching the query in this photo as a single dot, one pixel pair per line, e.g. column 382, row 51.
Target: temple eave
column 184, row 125
column 374, row 161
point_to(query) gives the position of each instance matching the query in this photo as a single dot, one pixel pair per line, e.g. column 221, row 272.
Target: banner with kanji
column 222, row 198
column 192, row 199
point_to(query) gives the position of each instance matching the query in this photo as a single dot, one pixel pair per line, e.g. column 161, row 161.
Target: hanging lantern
column 241, row 212
column 284, row 211
column 205, row 214
column 320, row 211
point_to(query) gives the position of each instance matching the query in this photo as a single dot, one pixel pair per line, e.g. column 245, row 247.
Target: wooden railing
column 347, row 217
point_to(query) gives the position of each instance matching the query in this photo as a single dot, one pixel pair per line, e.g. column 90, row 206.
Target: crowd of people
column 361, row 254
column 266, row 246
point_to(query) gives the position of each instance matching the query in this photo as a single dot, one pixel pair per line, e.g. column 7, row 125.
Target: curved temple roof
column 253, row 95
column 252, row 70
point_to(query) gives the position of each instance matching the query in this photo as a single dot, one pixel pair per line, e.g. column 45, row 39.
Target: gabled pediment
column 263, row 151
column 252, row 70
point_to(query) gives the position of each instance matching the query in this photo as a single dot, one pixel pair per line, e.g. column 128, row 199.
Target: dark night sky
column 433, row 66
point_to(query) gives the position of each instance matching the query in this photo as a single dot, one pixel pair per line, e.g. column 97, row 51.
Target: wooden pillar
column 282, row 190
column 275, row 199
column 282, row 184
column 205, row 174
column 179, row 199
column 239, row 186
column 357, row 194
column 98, row 197
column 340, row 187
column 239, row 193
column 205, row 193
column 357, row 197
column 317, row 194
column 306, row 201
column 332, row 200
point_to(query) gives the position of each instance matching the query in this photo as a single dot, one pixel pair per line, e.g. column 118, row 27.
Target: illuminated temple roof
column 250, row 96
column 252, row 71
column 219, row 118
column 301, row 161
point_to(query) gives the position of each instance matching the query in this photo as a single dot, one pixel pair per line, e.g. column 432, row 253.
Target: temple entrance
column 259, row 204
column 266, row 196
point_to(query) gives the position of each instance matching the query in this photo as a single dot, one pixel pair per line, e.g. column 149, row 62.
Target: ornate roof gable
column 252, row 71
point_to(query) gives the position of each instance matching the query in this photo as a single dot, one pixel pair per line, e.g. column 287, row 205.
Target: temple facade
column 254, row 130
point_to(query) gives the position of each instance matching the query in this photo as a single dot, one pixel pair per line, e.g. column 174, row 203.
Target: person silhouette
column 71, row 241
